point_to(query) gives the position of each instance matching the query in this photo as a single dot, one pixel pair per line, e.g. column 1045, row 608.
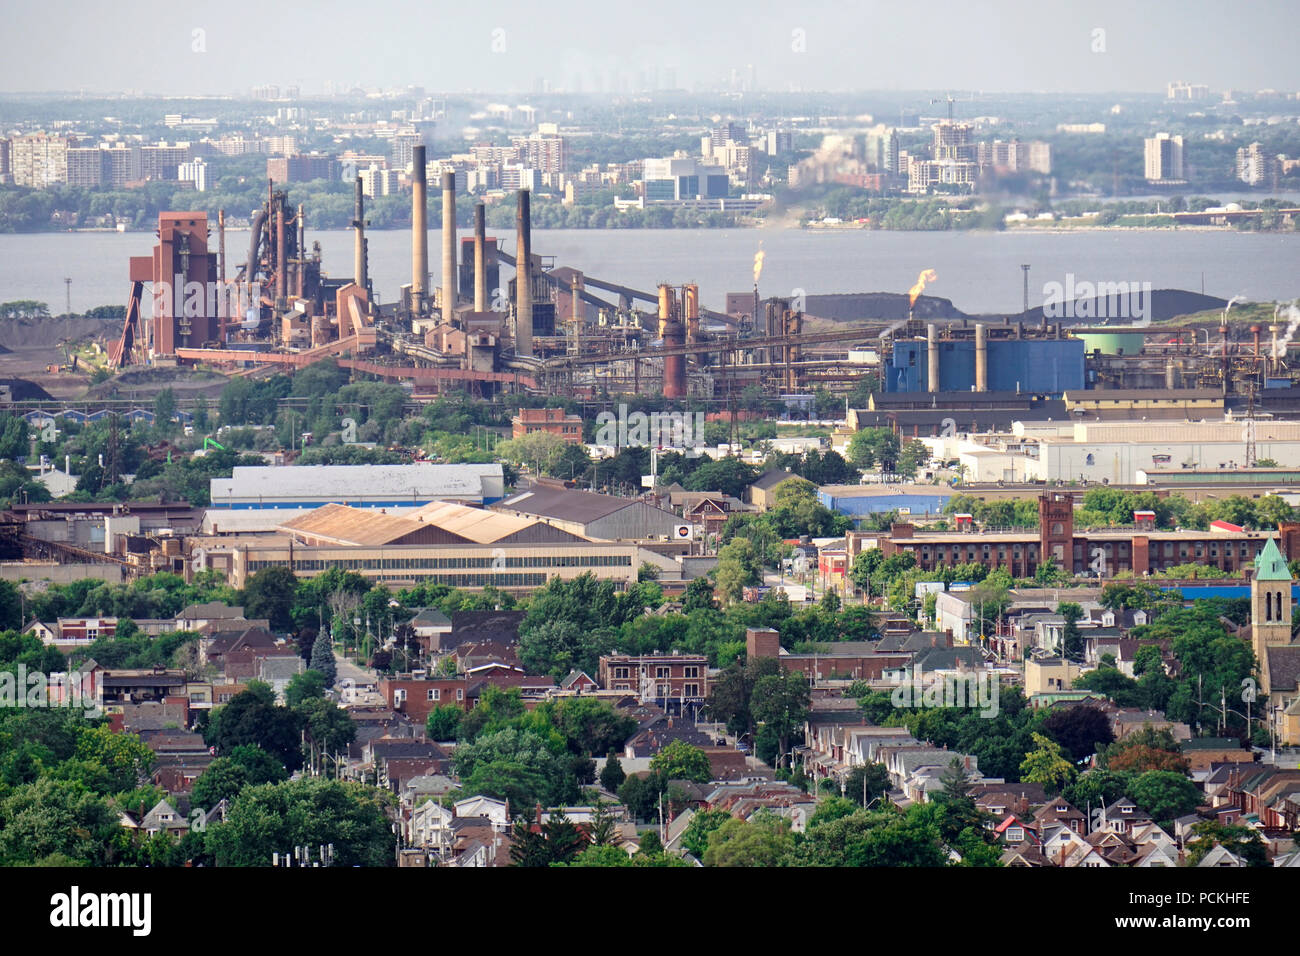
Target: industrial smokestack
column 419, row 230
column 579, row 312
column 281, row 254
column 674, row 335
column 981, row 357
column 932, row 356
column 448, row 245
column 302, row 250
column 221, row 246
column 480, row 259
column 359, row 249
column 524, row 278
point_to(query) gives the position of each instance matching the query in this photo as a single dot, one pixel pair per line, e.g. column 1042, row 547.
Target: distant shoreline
column 810, row 227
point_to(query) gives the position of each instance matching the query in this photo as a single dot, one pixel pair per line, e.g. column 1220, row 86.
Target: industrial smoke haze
column 926, row 276
column 1293, row 322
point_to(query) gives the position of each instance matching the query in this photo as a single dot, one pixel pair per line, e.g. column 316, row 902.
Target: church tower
column 1270, row 606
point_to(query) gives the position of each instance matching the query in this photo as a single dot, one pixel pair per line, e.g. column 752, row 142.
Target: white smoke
column 1293, row 322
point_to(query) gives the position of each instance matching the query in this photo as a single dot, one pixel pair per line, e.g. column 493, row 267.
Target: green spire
column 1270, row 565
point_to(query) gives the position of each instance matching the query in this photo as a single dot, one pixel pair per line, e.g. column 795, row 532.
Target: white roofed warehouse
column 359, row 486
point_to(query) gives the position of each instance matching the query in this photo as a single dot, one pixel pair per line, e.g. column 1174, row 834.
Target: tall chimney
column 480, row 259
column 981, row 357
column 448, row 245
column 281, row 254
column 932, row 357
column 524, row 278
column 221, row 247
column 579, row 311
column 419, row 230
column 302, row 250
column 359, row 248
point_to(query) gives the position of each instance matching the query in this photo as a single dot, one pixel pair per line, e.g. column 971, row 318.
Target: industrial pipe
column 301, row 271
column 448, row 245
column 932, row 356
column 419, row 230
column 359, row 247
column 524, row 277
column 281, row 253
column 480, row 258
column 981, row 357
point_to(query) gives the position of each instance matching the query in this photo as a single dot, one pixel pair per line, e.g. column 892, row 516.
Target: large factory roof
column 475, row 524
column 565, row 504
column 339, row 524
column 360, row 485
column 1167, row 432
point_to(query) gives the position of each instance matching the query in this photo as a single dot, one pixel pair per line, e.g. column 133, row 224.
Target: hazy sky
column 994, row 45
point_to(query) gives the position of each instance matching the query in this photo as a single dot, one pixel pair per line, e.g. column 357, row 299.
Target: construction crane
column 950, row 101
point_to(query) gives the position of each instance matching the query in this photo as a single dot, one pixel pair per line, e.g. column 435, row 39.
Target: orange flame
column 758, row 263
column 926, row 276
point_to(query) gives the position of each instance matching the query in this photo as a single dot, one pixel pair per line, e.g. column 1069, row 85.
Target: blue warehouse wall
column 1040, row 366
column 854, row 506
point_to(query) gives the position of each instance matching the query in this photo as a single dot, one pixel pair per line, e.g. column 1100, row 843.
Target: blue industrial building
column 870, row 501
column 1040, row 366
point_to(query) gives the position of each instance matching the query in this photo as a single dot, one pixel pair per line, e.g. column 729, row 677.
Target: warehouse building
column 589, row 514
column 358, row 486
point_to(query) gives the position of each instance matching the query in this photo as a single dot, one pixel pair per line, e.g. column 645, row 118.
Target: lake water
column 978, row 271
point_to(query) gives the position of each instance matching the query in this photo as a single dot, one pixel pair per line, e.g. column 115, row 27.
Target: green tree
column 682, row 761
column 58, row 821
column 270, row 594
column 1241, row 840
column 611, row 774
column 443, row 722
column 222, row 780
column 765, row 840
column 322, row 659
column 738, row 567
column 309, row 684
column 124, row 756
column 313, row 811
column 696, row 836
column 1045, row 765
column 781, row 701
column 1166, row 795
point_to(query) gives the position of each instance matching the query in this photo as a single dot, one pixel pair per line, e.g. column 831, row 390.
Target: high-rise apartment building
column 1254, row 166
column 1164, row 158
column 39, row 160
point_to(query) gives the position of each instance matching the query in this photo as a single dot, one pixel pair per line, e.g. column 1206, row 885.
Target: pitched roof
column 1270, row 565
column 479, row 525
column 565, row 504
column 1283, row 667
column 356, row 526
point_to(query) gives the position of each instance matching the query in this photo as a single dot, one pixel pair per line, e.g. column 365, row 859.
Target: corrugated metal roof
column 339, row 523
column 477, row 524
column 419, row 480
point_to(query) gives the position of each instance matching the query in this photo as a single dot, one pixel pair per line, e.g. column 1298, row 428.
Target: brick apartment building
column 670, row 677
column 417, row 696
column 1138, row 549
column 552, row 420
